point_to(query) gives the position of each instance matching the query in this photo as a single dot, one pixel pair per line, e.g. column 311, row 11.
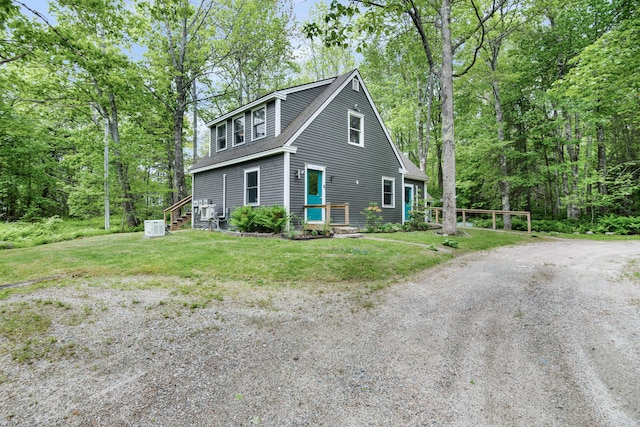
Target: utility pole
column 195, row 122
column 106, row 174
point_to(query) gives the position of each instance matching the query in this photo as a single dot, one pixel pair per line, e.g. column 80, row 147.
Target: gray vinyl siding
column 208, row 185
column 325, row 143
column 296, row 102
column 248, row 129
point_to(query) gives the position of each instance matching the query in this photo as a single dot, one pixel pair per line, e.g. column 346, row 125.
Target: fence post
column 493, row 214
column 346, row 213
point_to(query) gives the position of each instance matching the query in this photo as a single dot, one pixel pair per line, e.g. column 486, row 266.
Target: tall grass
column 51, row 230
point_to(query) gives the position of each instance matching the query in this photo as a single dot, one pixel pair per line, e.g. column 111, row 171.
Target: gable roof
column 283, row 142
column 413, row 171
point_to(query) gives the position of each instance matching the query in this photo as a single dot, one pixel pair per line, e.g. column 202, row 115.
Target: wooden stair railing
column 177, row 218
column 327, row 216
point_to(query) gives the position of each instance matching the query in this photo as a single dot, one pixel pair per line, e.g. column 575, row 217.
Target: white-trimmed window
column 252, row 186
column 238, row 130
column 356, row 129
column 355, row 85
column 221, row 137
column 388, row 192
column 259, row 123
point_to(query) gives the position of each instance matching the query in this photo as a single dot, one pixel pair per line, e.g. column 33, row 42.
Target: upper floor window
column 221, row 137
column 238, row 130
column 388, row 192
column 356, row 129
column 252, row 186
column 259, row 123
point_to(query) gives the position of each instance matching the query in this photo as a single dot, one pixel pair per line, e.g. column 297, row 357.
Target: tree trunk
column 602, row 164
column 502, row 157
column 425, row 121
column 179, row 184
column 111, row 115
column 570, row 187
column 121, row 169
column 195, row 121
column 449, row 215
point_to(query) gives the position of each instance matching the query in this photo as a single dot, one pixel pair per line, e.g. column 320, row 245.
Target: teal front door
column 408, row 202
column 314, row 194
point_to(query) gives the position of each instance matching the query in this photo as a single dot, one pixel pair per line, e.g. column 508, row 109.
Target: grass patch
column 472, row 240
column 215, row 257
column 632, row 271
column 594, row 236
column 26, row 329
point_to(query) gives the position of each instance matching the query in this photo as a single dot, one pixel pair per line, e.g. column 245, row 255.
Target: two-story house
column 314, row 144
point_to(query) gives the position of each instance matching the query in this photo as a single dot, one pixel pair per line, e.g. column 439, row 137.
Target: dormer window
column 259, row 123
column 355, row 85
column 238, row 130
column 356, row 129
column 221, row 137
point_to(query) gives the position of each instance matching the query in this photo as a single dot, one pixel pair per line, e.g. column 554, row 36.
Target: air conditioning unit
column 207, row 212
column 154, row 228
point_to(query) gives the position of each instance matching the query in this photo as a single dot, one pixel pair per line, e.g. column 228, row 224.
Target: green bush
column 243, row 218
column 517, row 224
column 618, row 225
column 417, row 215
column 373, row 219
column 391, row 227
column 271, row 219
column 450, row 243
column 267, row 219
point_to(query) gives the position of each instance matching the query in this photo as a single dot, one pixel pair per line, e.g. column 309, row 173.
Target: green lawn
column 473, row 239
column 216, row 257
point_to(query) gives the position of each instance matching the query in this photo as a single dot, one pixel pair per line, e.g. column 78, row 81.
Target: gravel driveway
column 543, row 334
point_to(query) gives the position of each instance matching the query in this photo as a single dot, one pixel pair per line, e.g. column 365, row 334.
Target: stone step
column 345, row 230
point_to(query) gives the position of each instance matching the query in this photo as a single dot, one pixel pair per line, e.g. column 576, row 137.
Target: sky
column 300, row 7
column 301, row 10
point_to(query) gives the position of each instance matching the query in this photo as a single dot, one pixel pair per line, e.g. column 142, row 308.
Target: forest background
column 546, row 96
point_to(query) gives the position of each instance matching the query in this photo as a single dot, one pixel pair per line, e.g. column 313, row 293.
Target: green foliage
column 271, row 219
column 243, row 218
column 417, row 215
column 619, row 225
column 608, row 224
column 391, row 228
column 54, row 229
column 373, row 217
column 450, row 243
column 264, row 219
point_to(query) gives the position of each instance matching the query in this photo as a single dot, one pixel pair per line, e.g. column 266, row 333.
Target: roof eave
column 261, row 154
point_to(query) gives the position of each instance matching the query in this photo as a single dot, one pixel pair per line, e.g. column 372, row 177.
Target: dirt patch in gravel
column 541, row 334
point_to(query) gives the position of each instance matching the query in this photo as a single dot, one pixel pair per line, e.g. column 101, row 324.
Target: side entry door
column 315, row 195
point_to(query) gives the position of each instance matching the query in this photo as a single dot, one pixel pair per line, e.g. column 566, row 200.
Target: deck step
column 179, row 222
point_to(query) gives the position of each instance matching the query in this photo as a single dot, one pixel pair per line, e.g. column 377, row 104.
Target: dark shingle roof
column 413, row 171
column 270, row 144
